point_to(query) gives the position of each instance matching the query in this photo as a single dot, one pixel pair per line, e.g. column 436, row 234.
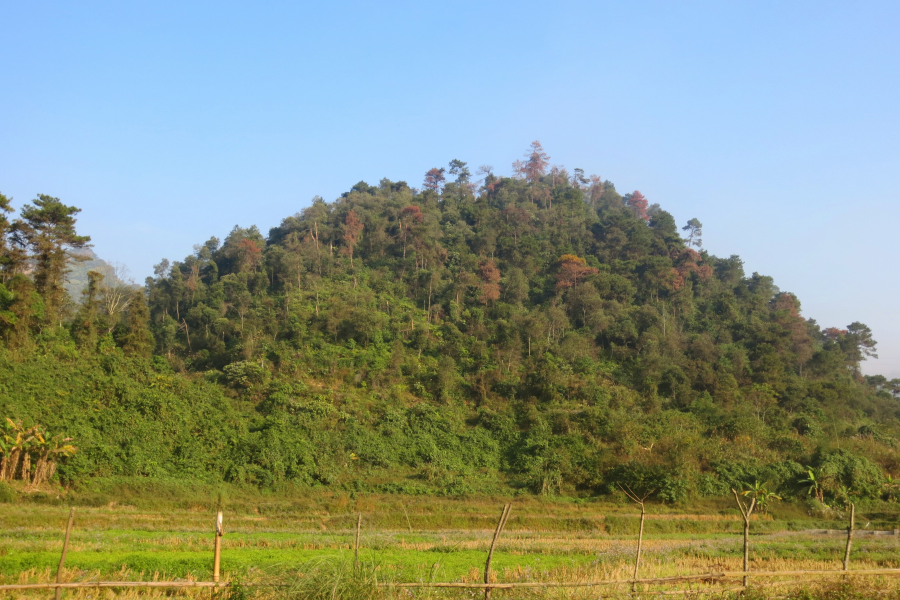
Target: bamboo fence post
column 65, row 549
column 849, row 537
column 356, row 544
column 217, row 553
column 487, row 566
column 640, row 502
column 637, row 559
column 746, row 512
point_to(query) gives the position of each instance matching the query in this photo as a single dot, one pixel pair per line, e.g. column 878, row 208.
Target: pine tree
column 11, row 256
column 47, row 229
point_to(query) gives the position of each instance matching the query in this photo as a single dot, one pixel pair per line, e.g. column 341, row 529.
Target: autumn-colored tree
column 489, row 180
column 412, row 214
column 411, row 218
column 596, row 190
column 434, row 179
column 572, row 269
column 638, row 205
column 688, row 261
column 490, row 280
column 558, row 173
column 352, row 228
column 249, row 255
column 536, row 162
column 834, row 333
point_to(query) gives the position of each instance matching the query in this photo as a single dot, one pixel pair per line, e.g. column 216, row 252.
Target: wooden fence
column 713, row 580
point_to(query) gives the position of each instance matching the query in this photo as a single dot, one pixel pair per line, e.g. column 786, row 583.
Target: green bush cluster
column 537, row 333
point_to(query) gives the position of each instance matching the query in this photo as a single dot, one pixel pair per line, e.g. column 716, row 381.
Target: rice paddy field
column 303, row 548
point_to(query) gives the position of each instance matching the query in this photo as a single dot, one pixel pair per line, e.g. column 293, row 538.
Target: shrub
column 7, row 493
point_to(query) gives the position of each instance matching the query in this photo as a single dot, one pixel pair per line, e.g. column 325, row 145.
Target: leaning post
column 62, row 558
column 487, row 566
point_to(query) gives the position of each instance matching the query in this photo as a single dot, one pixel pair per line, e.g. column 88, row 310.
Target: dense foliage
column 541, row 332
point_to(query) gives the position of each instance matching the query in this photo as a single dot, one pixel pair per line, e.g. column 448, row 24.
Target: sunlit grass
column 315, row 543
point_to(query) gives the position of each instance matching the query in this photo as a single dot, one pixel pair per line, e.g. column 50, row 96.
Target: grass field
column 308, row 543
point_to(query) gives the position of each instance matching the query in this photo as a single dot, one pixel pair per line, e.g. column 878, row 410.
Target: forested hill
column 542, row 332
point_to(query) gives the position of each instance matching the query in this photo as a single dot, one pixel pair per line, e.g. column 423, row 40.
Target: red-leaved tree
column 352, row 228
column 249, row 255
column 536, row 161
column 490, row 281
column 638, row 205
column 572, row 269
column 411, row 219
column 434, row 179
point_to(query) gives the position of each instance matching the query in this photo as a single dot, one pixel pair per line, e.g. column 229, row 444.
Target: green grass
column 307, row 542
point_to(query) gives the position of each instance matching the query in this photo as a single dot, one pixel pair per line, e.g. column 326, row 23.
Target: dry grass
column 308, row 545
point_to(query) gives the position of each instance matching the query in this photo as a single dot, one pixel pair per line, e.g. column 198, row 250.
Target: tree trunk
column 849, row 537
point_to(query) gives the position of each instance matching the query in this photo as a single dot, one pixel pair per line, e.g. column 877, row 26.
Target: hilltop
column 541, row 333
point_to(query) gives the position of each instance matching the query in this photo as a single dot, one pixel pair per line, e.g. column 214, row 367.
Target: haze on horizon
column 775, row 125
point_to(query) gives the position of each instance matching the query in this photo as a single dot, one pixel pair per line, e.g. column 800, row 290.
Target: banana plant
column 842, row 494
column 762, row 494
column 814, row 484
column 5, row 448
column 891, row 485
column 29, row 454
column 19, row 440
column 58, row 448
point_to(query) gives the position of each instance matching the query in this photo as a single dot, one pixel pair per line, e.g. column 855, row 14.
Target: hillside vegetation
column 540, row 333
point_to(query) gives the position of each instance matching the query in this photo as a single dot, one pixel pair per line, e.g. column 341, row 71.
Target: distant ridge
column 78, row 274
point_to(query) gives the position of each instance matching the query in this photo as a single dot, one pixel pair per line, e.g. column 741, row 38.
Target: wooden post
column 487, row 566
column 637, row 560
column 62, row 558
column 640, row 502
column 746, row 512
column 849, row 537
column 217, row 553
column 356, row 544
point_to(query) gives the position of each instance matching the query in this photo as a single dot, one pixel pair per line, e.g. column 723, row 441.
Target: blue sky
column 776, row 124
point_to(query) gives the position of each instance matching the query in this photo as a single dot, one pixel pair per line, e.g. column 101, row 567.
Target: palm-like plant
column 5, row 448
column 21, row 446
column 891, row 485
column 762, row 494
column 18, row 442
column 814, row 484
column 842, row 494
column 50, row 451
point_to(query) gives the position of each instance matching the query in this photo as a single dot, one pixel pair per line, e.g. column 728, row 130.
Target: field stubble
column 310, row 547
